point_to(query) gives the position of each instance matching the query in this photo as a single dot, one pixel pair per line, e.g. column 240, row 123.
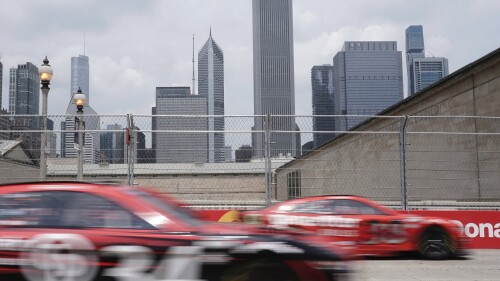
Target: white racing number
column 72, row 257
column 181, row 263
column 59, row 257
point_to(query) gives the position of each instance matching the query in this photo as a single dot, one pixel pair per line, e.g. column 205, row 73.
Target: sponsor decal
column 73, row 257
column 482, row 228
column 473, row 230
column 329, row 221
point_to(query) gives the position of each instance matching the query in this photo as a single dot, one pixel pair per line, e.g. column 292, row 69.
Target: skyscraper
column 274, row 90
column 24, row 96
column 368, row 78
column 427, row 71
column 24, row 89
column 421, row 71
column 180, row 147
column 414, row 49
column 211, row 85
column 113, row 144
column 322, row 103
column 80, row 80
column 80, row 75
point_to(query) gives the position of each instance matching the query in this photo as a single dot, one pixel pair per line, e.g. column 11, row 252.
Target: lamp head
column 79, row 99
column 45, row 71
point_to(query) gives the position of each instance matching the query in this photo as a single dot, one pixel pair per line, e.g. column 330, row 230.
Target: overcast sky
column 137, row 45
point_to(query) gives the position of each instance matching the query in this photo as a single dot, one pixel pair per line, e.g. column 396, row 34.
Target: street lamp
column 80, row 99
column 45, row 74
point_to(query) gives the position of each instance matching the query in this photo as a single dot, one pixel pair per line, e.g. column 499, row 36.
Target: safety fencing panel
column 453, row 161
column 341, row 161
column 246, row 162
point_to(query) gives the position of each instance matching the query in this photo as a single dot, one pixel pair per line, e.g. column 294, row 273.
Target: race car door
column 377, row 232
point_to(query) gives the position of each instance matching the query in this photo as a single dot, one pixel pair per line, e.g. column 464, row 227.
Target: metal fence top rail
column 253, row 116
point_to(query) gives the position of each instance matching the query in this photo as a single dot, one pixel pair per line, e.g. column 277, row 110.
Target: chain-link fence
column 249, row 161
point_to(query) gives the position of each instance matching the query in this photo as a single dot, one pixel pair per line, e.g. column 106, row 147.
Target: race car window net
column 65, row 209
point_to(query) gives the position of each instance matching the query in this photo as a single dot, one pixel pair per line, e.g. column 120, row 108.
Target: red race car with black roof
column 81, row 232
column 364, row 226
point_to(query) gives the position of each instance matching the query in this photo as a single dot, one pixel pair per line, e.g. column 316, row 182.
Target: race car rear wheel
column 259, row 270
column 435, row 244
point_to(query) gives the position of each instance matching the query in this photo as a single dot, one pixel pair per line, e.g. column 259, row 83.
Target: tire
column 259, row 270
column 436, row 244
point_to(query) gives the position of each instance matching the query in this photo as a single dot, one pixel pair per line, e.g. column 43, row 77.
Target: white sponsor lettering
column 482, row 230
column 329, row 221
column 338, row 232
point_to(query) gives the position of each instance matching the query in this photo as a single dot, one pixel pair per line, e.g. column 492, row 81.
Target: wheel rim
column 436, row 244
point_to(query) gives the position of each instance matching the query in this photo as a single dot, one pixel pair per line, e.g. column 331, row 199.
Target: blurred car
column 364, row 226
column 82, row 231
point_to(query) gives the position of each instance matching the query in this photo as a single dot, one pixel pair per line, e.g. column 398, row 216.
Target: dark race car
column 80, row 231
column 364, row 226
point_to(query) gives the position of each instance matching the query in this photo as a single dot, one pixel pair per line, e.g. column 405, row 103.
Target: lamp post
column 45, row 75
column 80, row 99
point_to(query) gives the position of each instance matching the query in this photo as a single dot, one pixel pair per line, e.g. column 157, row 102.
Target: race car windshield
column 180, row 212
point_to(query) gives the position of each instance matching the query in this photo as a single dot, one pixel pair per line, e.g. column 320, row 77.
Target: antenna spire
column 194, row 91
column 84, row 43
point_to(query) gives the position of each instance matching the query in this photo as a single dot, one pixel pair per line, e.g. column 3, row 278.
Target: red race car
column 365, row 227
column 80, row 231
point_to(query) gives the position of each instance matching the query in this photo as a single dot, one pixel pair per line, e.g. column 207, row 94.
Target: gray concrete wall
column 13, row 171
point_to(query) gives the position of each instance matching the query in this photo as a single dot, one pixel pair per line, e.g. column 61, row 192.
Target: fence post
column 130, row 141
column 402, row 160
column 267, row 158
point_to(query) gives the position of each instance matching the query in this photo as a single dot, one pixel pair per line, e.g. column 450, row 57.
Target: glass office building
column 80, row 75
column 414, row 36
column 273, row 68
column 180, row 147
column 422, row 71
column 427, row 71
column 24, row 90
column 322, row 103
column 368, row 78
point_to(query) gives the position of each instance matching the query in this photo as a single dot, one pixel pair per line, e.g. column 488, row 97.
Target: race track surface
column 480, row 265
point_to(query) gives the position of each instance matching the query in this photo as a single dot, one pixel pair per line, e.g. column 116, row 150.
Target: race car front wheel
column 259, row 270
column 436, row 244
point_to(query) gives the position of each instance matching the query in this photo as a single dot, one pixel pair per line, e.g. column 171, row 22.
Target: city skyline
column 126, row 65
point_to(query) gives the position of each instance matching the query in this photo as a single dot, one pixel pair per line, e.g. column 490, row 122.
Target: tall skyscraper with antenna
column 80, row 80
column 273, row 70
column 211, row 85
column 80, row 75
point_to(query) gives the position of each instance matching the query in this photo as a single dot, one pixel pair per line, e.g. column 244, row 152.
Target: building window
column 294, row 185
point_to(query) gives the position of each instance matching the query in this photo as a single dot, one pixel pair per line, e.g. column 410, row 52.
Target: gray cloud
column 135, row 46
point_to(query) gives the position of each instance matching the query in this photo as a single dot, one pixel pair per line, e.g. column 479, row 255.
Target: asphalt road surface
column 480, row 265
